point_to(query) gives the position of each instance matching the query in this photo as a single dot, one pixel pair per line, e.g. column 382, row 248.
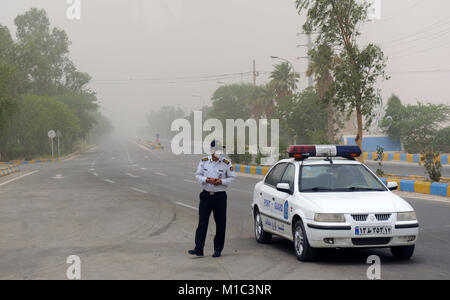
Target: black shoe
column 195, row 252
column 216, row 254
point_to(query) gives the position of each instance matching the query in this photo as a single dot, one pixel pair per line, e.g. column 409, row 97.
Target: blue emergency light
column 302, row 152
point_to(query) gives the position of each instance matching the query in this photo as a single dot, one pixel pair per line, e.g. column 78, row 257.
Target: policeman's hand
column 210, row 180
column 218, row 182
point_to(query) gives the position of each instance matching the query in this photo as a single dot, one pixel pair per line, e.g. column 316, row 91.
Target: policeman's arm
column 200, row 174
column 230, row 175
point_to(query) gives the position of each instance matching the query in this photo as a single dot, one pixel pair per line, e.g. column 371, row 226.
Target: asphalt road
column 130, row 213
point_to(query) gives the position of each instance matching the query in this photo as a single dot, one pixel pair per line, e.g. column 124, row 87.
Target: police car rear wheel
column 402, row 252
column 260, row 235
column 303, row 251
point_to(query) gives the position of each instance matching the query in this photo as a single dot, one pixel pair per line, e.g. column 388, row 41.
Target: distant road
column 130, row 213
column 403, row 168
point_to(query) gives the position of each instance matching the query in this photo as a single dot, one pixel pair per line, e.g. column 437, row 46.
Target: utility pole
column 309, row 47
column 254, row 72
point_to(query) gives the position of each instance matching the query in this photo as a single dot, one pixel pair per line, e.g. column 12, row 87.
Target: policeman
column 215, row 174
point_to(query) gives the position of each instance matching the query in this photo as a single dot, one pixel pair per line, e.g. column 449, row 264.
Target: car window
column 275, row 174
column 289, row 176
column 338, row 178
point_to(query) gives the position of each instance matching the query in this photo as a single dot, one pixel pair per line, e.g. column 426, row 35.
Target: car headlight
column 329, row 218
column 406, row 216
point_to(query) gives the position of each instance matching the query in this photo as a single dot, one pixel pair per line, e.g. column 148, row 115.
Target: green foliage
column 356, row 70
column 306, row 119
column 417, row 126
column 27, row 131
column 38, row 64
column 431, row 161
column 235, row 101
column 283, row 81
column 380, row 152
column 442, row 140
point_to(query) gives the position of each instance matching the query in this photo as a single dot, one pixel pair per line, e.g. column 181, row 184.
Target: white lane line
column 17, row 178
column 131, row 175
column 242, row 191
column 110, row 181
column 190, row 181
column 95, row 174
column 161, row 174
column 139, row 191
column 185, row 205
column 144, row 169
column 92, row 169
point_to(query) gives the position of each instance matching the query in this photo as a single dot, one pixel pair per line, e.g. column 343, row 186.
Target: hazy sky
column 118, row 40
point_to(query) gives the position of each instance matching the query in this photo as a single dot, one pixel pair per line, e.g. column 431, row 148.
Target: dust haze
column 141, row 54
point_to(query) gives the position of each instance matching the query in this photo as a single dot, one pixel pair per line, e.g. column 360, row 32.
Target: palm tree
column 283, row 80
column 323, row 61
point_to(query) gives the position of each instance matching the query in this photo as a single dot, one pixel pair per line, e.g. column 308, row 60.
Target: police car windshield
column 338, row 178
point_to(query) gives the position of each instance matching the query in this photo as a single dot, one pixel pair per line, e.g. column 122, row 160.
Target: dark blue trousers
column 217, row 204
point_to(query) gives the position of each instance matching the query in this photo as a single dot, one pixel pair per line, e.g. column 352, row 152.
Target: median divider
column 413, row 186
column 7, row 170
column 34, row 161
column 404, row 157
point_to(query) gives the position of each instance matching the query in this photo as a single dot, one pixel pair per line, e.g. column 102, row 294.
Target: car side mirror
column 284, row 187
column 392, row 186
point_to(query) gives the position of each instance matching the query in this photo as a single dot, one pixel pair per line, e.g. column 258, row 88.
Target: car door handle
column 273, row 199
column 260, row 194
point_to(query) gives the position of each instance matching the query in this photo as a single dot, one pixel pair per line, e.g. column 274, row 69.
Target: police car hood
column 358, row 202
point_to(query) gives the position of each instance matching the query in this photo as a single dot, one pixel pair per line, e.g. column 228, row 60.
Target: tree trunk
column 330, row 131
column 359, row 137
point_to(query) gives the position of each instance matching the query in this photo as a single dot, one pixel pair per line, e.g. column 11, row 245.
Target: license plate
column 373, row 230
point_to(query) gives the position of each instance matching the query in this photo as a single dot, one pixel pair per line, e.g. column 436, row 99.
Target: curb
column 405, row 157
column 9, row 170
column 34, row 161
column 414, row 186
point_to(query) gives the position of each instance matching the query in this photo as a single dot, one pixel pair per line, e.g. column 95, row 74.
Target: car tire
column 261, row 236
column 303, row 251
column 403, row 252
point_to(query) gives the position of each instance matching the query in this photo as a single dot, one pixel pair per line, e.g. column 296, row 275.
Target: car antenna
column 329, row 157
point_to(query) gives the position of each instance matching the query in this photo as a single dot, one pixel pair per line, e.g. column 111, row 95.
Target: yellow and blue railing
column 405, row 157
column 7, row 170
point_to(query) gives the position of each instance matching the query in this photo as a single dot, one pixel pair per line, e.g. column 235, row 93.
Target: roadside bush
column 430, row 160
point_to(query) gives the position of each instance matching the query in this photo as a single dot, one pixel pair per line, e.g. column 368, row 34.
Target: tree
column 283, row 81
column 41, row 53
column 26, row 134
column 236, row 101
column 7, row 78
column 337, row 23
column 323, row 61
column 417, row 126
column 307, row 120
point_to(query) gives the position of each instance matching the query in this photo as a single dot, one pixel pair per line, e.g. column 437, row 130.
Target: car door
column 281, row 205
column 267, row 194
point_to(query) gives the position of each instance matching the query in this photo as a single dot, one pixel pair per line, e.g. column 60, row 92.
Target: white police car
column 323, row 198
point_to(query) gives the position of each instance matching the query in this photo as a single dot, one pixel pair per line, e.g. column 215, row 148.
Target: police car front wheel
column 303, row 251
column 260, row 235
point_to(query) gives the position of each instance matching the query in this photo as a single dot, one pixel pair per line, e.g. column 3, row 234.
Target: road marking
column 58, row 176
column 95, row 174
column 92, row 169
column 131, row 175
column 139, row 191
column 110, row 181
column 161, row 174
column 185, row 205
column 144, row 169
column 190, row 181
column 20, row 177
